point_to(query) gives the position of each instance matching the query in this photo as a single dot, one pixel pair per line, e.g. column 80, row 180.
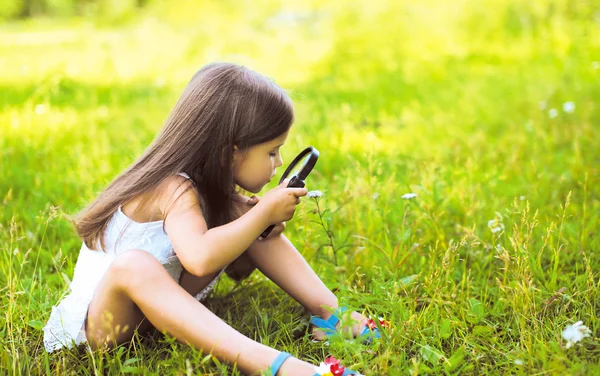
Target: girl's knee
column 134, row 265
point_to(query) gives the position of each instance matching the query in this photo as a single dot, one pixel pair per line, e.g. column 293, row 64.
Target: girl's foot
column 355, row 327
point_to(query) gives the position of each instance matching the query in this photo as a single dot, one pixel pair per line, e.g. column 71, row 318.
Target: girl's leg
column 136, row 286
column 281, row 262
column 193, row 284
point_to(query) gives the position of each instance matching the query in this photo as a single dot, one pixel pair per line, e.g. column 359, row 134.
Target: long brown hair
column 223, row 105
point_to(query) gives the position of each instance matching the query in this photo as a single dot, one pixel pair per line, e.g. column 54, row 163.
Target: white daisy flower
column 496, row 225
column 568, row 107
column 408, row 196
column 375, row 196
column 518, row 362
column 575, row 333
column 314, row 194
column 552, row 113
column 322, row 369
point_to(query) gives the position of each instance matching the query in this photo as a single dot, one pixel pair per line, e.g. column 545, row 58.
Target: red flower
column 372, row 325
column 334, row 366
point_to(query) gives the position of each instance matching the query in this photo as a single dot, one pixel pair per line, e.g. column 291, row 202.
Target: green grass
column 449, row 100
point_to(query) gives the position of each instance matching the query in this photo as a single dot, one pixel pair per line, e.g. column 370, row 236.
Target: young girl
column 159, row 236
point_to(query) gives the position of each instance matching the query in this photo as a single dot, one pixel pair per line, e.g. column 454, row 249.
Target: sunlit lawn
column 488, row 112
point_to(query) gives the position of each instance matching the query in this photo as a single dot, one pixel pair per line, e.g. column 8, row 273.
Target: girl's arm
column 204, row 252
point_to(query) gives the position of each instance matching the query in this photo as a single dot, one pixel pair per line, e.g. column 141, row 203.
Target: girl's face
column 254, row 167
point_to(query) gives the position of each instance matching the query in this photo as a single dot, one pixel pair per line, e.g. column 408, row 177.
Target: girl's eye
column 273, row 154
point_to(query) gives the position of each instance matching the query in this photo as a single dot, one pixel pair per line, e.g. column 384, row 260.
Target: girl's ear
column 235, row 153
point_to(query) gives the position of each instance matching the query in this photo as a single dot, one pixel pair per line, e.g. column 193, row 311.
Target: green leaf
column 455, row 360
column 431, row 354
column 445, row 329
column 36, row 324
column 130, row 361
column 482, row 330
column 130, row 369
column 477, row 310
column 408, row 280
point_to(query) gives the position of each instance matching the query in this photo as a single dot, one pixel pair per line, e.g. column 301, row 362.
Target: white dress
column 65, row 327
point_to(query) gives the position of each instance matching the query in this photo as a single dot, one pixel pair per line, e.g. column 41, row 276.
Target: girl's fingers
column 278, row 229
column 299, row 192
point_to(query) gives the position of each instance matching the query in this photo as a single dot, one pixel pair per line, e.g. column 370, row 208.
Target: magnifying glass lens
column 297, row 169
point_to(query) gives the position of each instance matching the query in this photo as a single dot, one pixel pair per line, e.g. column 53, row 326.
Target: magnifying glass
column 297, row 171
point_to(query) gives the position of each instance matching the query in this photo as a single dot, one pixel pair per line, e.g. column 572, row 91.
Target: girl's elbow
column 201, row 267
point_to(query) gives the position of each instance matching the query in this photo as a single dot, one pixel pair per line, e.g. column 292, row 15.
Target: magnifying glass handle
column 294, row 183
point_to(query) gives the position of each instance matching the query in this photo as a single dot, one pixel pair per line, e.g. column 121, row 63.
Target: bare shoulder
column 177, row 194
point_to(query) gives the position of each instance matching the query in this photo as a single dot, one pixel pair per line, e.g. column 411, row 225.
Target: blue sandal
column 370, row 331
column 331, row 366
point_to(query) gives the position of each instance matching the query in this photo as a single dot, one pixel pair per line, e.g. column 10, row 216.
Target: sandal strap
column 278, row 362
column 369, row 335
column 331, row 322
column 374, row 333
column 322, row 324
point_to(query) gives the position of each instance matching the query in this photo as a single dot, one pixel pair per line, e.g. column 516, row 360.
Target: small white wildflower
column 575, row 333
column 552, row 113
column 408, row 196
column 375, row 196
column 496, row 225
column 521, row 198
column 498, row 247
column 568, row 107
column 322, row 369
column 40, row 109
column 314, row 194
column 16, row 251
column 518, row 362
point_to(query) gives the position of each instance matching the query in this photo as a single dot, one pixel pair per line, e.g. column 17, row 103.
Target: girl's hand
column 279, row 203
column 279, row 227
